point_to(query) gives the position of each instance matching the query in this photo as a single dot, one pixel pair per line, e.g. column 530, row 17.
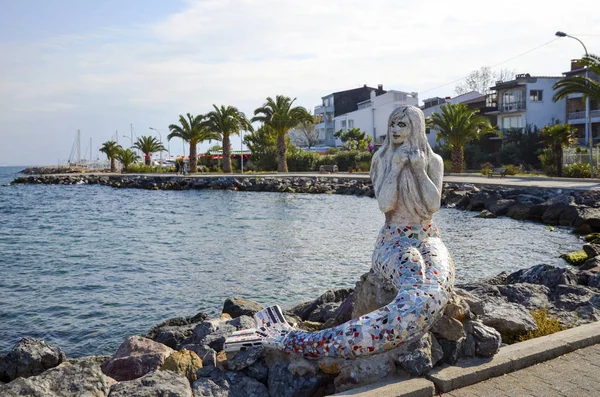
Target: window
column 427, row 131
column 350, row 124
column 343, row 124
column 535, row 95
column 511, row 122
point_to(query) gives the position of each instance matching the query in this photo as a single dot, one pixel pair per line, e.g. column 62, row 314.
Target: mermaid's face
column 399, row 128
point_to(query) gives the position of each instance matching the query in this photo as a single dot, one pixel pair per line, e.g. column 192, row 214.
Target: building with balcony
column 336, row 104
column 372, row 114
column 473, row 100
column 526, row 100
column 575, row 108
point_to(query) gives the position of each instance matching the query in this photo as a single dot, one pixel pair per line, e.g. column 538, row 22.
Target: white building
column 527, row 100
column 433, row 105
column 372, row 114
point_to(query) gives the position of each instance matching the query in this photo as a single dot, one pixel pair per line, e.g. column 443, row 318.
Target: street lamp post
column 242, row 151
column 160, row 136
column 588, row 124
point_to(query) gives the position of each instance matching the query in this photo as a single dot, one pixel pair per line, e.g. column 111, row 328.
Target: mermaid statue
column 407, row 180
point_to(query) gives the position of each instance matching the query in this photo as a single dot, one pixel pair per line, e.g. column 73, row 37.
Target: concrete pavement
column 574, row 374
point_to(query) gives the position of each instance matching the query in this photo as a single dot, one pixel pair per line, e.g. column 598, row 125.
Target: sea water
column 83, row 267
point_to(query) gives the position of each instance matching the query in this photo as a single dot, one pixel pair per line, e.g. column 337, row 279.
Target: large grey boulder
column 175, row 330
column 237, row 306
column 507, row 318
column 500, row 207
column 487, row 339
column 155, row 384
column 29, row 357
column 213, row 332
column 324, row 306
column 520, row 211
column 448, row 328
column 547, row 275
column 372, row 292
column 83, row 378
column 245, row 358
column 229, row 384
column 136, row 357
column 283, row 382
column 532, row 296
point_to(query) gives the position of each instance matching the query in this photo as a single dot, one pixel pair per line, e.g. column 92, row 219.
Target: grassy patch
column 546, row 325
column 575, row 258
column 593, row 238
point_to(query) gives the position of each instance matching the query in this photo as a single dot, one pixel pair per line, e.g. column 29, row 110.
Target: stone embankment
column 47, row 170
column 185, row 357
column 573, row 208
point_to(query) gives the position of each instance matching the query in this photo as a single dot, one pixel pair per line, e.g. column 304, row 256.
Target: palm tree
column 192, row 130
column 148, row 144
column 111, row 149
column 279, row 115
column 556, row 137
column 457, row 125
column 127, row 157
column 226, row 121
column 580, row 84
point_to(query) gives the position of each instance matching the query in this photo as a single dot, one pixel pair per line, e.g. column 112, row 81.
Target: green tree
column 353, row 139
column 111, row 149
column 226, row 121
column 148, row 144
column 580, row 84
column 280, row 116
column 127, row 157
column 458, row 125
column 556, row 137
column 263, row 147
column 193, row 130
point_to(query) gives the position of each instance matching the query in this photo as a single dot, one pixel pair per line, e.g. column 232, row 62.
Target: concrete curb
column 465, row 373
column 401, row 387
column 514, row 357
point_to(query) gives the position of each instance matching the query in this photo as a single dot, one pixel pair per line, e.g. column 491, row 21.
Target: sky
column 114, row 68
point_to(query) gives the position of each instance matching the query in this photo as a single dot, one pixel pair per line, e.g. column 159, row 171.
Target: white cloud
column 239, row 52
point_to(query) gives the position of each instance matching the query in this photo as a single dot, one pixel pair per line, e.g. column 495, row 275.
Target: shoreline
column 574, row 207
column 481, row 308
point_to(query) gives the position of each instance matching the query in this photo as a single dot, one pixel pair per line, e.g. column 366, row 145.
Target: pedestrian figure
column 184, row 168
column 176, row 167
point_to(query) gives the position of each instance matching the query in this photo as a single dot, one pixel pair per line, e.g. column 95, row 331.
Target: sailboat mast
column 78, row 147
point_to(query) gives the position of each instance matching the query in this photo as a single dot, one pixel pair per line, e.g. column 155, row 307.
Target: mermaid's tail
column 271, row 330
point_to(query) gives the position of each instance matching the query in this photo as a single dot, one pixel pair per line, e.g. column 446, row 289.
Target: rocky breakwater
column 184, row 356
column 284, row 184
column 573, row 208
column 52, row 170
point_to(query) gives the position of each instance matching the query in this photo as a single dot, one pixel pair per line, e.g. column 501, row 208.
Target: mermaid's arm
column 430, row 181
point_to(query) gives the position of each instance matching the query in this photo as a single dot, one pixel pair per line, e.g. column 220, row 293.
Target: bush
column 302, row 161
column 512, row 169
column 142, row 168
column 578, row 170
column 363, row 166
column 486, row 168
column 545, row 325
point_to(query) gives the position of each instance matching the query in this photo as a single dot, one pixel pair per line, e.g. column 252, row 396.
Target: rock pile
column 185, row 357
column 577, row 209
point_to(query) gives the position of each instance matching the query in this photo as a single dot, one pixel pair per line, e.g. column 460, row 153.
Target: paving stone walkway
column 572, row 375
